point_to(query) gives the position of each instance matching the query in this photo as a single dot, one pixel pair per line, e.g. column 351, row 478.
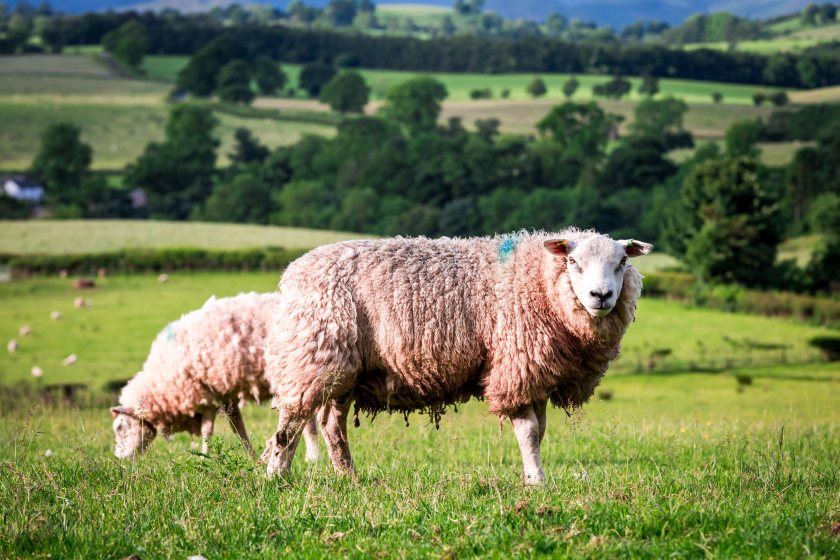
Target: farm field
column 118, row 117
column 671, row 464
column 97, row 236
column 112, row 338
column 459, row 86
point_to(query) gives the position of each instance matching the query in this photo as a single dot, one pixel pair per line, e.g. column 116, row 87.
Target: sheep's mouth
column 600, row 310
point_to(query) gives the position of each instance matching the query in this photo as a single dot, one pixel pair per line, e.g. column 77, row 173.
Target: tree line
column 403, row 172
column 172, row 33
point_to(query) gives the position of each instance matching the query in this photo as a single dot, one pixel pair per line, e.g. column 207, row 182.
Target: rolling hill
column 616, row 13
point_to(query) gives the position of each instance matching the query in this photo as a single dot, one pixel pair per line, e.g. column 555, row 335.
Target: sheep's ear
column 559, row 247
column 635, row 248
column 117, row 410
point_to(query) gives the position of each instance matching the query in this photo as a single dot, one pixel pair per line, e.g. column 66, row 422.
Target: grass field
column 166, row 68
column 112, row 337
column 96, row 236
column 118, row 117
column 673, row 464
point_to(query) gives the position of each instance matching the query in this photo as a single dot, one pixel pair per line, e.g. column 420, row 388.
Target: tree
column 649, row 85
column 246, row 198
column 234, row 83
column 779, row 98
column 248, row 148
column 63, row 163
column 415, row 104
column 809, row 14
column 570, row 86
column 742, row 138
column 128, row 43
column 717, row 97
column 199, row 76
column 537, row 87
column 315, row 76
column 758, row 98
column 340, row 12
column 177, row 174
column 581, row 129
column 346, row 93
column 824, row 214
column 638, row 162
column 268, row 75
column 731, row 224
column 616, row 88
column 305, row 204
column 18, row 30
column 658, row 118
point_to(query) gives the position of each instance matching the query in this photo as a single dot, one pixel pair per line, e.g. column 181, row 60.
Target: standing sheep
column 208, row 359
column 408, row 324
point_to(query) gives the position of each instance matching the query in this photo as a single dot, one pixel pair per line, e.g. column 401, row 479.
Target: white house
column 20, row 187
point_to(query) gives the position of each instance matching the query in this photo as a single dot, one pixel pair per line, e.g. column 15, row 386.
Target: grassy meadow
column 673, row 464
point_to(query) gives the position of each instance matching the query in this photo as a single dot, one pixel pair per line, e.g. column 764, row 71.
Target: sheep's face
column 596, row 268
column 132, row 434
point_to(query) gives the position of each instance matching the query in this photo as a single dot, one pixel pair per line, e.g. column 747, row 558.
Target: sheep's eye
column 572, row 261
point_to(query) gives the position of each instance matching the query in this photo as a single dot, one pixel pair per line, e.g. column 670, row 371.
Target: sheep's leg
column 526, row 426
column 334, row 425
column 310, row 437
column 540, row 408
column 208, row 418
column 238, row 424
column 280, row 448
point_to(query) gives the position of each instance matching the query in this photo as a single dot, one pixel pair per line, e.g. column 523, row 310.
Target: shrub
column 717, row 97
column 484, row 93
column 161, row 260
column 828, row 345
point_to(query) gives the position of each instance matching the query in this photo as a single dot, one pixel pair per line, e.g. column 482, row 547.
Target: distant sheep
column 419, row 324
column 56, row 315
column 210, row 358
column 25, row 331
column 12, row 346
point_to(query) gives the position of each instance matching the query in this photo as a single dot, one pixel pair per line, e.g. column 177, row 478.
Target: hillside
column 616, row 13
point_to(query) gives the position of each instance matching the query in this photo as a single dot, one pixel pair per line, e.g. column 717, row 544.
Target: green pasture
column 459, row 86
column 112, row 337
column 48, row 237
column 673, row 465
column 119, row 133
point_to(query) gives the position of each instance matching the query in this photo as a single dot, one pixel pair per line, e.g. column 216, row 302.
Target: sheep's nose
column 602, row 296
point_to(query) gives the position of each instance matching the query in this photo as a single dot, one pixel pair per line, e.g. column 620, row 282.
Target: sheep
column 70, row 360
column 209, row 358
column 412, row 324
column 12, row 346
column 56, row 315
column 36, row 371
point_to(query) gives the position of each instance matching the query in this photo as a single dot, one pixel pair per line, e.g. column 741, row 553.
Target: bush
column 717, row 97
column 481, row 94
column 828, row 345
column 161, row 260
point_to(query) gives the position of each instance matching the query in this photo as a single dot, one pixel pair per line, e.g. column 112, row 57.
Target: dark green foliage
column 63, row 164
column 415, row 103
column 481, row 93
column 246, row 198
column 537, row 88
column 742, row 138
column 268, row 75
column 758, row 98
column 305, row 203
column 824, row 214
column 581, row 129
column 717, row 97
column 234, row 83
column 200, row 76
column 822, row 274
column 570, row 86
column 157, row 260
column 637, row 162
column 828, row 345
column 315, row 76
column 128, row 44
column 649, row 85
column 779, row 98
column 616, row 88
column 729, row 222
column 659, row 118
column 13, row 209
column 177, row 174
column 248, row 148
column 346, row 93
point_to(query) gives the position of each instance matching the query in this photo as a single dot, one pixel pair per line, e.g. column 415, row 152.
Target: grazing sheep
column 36, row 371
column 12, row 346
column 70, row 360
column 408, row 324
column 25, row 330
column 56, row 315
column 208, row 359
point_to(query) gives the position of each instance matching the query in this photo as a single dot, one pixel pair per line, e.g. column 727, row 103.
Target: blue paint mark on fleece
column 507, row 248
column 170, row 331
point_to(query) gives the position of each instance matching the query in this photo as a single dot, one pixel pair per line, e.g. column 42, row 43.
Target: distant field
column 459, row 85
column 776, row 153
column 94, row 236
column 62, row 65
column 829, row 94
column 799, row 249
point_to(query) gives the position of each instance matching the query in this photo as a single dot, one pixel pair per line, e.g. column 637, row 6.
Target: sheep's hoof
column 535, row 479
